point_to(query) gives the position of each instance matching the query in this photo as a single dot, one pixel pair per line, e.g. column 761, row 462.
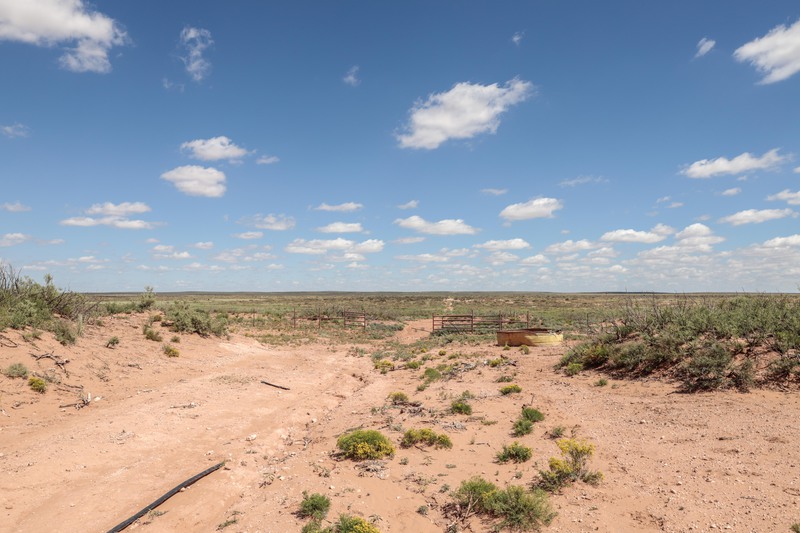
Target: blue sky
column 401, row 146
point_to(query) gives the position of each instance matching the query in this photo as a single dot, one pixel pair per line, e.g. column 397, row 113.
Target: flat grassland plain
column 134, row 407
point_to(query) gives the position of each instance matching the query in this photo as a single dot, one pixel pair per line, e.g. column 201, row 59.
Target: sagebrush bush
column 398, row 398
column 510, row 389
column 314, row 506
column 425, row 436
column 151, row 334
column 186, row 319
column 514, row 452
column 534, row 415
column 572, row 466
column 521, row 427
column 353, row 524
column 113, row 341
column 471, row 494
column 37, row 384
column 460, row 407
column 519, row 509
column 171, row 351
column 364, row 444
column 16, row 370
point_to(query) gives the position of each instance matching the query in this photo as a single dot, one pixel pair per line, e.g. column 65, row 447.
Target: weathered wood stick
column 273, row 385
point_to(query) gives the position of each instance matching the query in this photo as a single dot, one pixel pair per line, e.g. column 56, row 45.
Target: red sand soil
column 672, row 462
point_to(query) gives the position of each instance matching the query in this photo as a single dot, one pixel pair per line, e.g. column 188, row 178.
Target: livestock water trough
column 529, row 337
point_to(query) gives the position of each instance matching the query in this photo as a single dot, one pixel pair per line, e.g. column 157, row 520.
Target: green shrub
column 573, row 466
column 557, row 432
column 64, row 332
column 573, row 369
column 353, row 524
column 314, row 506
column 37, row 384
column 413, row 365
column 398, row 398
column 425, row 436
column 510, row 389
column 602, row 382
column 525, row 349
column 460, row 407
column 175, row 339
column 431, row 374
column 523, row 426
column 472, row 494
column 113, row 341
column 171, row 351
column 365, row 444
column 186, row 319
column 151, row 334
column 514, row 452
column 146, row 300
column 494, row 363
column 519, row 509
column 534, row 415
column 505, row 379
column 384, row 365
column 16, row 370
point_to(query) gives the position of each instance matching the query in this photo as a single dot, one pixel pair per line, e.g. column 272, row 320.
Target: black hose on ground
column 122, row 525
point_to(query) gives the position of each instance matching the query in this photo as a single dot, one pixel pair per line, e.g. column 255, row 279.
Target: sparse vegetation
column 398, row 398
column 171, row 351
column 460, row 407
column 705, row 343
column 314, row 506
column 16, row 370
column 427, row 437
column 37, row 384
column 112, row 342
column 534, row 415
column 514, row 452
column 353, row 524
column 522, row 427
column 514, row 507
column 510, row 389
column 365, row 444
column 572, row 466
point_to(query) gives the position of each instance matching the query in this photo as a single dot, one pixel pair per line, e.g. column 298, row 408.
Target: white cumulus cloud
column 536, row 208
column 757, row 216
column 15, row 130
column 569, row 246
column 16, row 207
column 267, row 160
column 12, row 239
column 341, row 208
column 776, row 54
column 494, row 192
column 707, row 168
column 463, row 112
column 732, row 191
column 194, row 42
column 86, row 35
column 118, row 210
column 704, row 46
column 214, row 149
column 249, row 235
column 791, row 198
column 442, row 227
column 782, row 242
column 195, row 180
column 411, row 204
column 510, row 244
column 341, row 227
column 630, row 235
column 351, row 78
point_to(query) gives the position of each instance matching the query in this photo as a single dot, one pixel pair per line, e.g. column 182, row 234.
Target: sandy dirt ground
column 671, row 462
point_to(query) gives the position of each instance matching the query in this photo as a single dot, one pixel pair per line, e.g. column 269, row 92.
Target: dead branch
column 273, row 385
column 57, row 359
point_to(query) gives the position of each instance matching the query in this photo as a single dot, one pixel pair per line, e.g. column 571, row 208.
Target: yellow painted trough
column 528, row 337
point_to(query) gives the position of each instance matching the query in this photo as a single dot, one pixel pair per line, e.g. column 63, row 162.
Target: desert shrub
column 743, row 376
column 510, row 389
column 413, row 365
column 557, row 432
column 460, row 407
column 353, row 524
column 151, row 334
column 708, row 368
column 524, row 349
column 398, row 398
column 521, row 427
column 384, row 366
column 186, row 319
column 113, row 341
column 515, row 507
column 534, row 415
column 314, row 506
column 171, row 351
column 572, row 466
column 505, row 379
column 365, row 444
column 427, row 437
column 16, row 370
column 514, row 452
column 472, row 494
column 146, row 300
column 781, row 369
column 602, row 382
column 175, row 339
column 37, row 384
column 431, row 374
column 64, row 332
column 573, row 369
column 518, row 509
column 495, row 362
column 24, row 302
